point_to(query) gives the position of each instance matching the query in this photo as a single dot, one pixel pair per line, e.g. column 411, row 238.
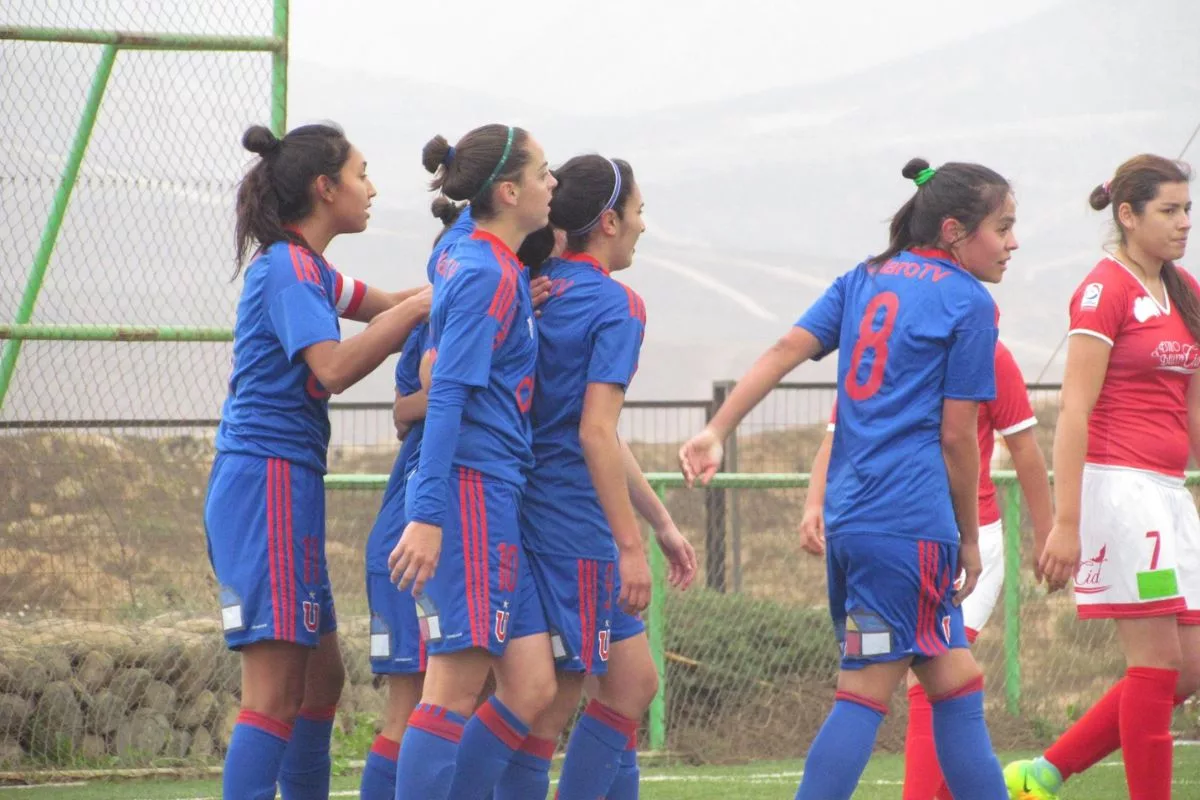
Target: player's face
column 1162, row 229
column 534, row 189
column 350, row 198
column 629, row 228
column 985, row 252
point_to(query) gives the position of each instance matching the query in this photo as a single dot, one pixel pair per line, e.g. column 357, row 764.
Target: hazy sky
column 631, row 54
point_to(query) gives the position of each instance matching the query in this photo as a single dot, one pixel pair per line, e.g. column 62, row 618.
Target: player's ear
column 952, row 232
column 323, row 188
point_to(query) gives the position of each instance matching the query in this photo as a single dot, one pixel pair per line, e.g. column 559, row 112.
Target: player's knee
column 283, row 704
column 530, row 697
column 644, row 688
column 329, row 682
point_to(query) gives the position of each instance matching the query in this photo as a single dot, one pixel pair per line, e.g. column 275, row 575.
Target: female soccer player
column 582, row 540
column 265, row 511
column 1127, row 422
column 917, row 337
column 475, row 451
column 1010, row 415
column 397, row 651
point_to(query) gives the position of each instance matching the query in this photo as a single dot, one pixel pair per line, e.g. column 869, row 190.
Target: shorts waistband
column 1169, row 481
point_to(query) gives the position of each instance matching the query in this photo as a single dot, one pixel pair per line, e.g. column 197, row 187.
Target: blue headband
column 612, row 201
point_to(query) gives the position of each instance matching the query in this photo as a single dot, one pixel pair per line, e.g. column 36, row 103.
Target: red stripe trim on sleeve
column 293, row 252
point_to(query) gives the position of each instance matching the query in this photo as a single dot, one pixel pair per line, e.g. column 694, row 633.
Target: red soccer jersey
column 1140, row 418
column 1009, row 413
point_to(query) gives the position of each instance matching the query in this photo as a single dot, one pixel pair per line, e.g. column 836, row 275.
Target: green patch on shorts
column 1157, row 584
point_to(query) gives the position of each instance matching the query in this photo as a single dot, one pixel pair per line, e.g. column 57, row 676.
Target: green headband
column 499, row 164
column 924, row 175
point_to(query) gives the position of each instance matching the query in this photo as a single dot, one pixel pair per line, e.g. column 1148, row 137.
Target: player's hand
column 812, row 531
column 1059, row 559
column 970, row 567
column 420, row 303
column 539, row 288
column 635, row 579
column 415, row 557
column 1039, row 547
column 700, row 457
column 681, row 556
column 402, row 429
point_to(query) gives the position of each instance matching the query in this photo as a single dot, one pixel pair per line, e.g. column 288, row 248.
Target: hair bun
column 1101, row 196
column 259, row 139
column 445, row 209
column 914, row 167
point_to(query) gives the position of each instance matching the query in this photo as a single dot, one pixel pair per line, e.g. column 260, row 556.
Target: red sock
column 1094, row 737
column 1146, row 709
column 922, row 775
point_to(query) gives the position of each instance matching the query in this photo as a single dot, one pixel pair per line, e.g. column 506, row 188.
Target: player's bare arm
column 602, row 451
column 960, row 449
column 812, row 524
column 1087, row 364
column 681, row 556
column 339, row 365
column 408, row 409
column 1030, row 465
column 700, row 457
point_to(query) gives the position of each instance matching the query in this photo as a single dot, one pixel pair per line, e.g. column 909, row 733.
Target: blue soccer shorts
column 470, row 600
column 264, row 520
column 891, row 598
column 579, row 596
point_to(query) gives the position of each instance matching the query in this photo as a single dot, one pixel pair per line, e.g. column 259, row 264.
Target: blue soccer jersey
column 463, row 226
column 590, row 331
column 276, row 407
column 912, row 332
column 483, row 336
column 390, row 522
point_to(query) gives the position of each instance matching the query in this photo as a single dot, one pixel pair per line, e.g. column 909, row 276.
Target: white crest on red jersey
column 1091, row 296
column 1145, row 308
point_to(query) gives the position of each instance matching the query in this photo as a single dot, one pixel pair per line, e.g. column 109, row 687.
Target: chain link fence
column 110, row 645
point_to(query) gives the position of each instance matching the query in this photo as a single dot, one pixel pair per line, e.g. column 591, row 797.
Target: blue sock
column 528, row 773
column 594, row 753
column 964, row 748
column 304, row 773
column 489, row 740
column 625, row 785
column 841, row 750
column 427, row 753
column 379, row 773
column 255, row 752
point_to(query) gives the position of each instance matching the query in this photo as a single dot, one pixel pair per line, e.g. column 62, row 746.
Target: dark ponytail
column 275, row 192
column 447, row 211
column 965, row 192
column 1137, row 182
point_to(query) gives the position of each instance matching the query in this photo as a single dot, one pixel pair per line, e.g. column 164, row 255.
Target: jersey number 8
column 875, row 340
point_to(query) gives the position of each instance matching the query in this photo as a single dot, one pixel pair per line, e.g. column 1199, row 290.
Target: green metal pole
column 58, row 210
column 113, row 333
column 1012, row 596
column 279, row 62
column 657, row 634
column 132, row 40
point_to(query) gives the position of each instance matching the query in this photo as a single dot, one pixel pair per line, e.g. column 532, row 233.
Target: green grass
column 764, row 780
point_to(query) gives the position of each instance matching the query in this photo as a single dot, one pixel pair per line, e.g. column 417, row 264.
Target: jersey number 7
column 874, row 340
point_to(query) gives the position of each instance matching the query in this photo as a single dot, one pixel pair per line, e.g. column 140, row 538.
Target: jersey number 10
column 874, row 340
